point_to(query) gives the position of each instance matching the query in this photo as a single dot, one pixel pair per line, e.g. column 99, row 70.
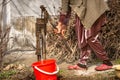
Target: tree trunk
column 6, row 13
column 5, row 24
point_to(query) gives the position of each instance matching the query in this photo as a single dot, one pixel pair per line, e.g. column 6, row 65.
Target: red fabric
column 88, row 39
column 64, row 18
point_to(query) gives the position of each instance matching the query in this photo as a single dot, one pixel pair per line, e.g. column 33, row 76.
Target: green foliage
column 61, row 71
column 7, row 74
column 117, row 61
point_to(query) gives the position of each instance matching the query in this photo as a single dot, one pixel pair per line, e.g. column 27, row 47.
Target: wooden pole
column 40, row 39
column 5, row 24
column 6, row 15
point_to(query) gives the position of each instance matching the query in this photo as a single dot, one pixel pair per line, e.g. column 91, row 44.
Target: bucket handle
column 55, row 72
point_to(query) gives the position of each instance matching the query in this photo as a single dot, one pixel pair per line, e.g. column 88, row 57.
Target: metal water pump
column 41, row 34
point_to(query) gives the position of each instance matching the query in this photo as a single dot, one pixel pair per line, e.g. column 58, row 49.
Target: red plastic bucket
column 45, row 70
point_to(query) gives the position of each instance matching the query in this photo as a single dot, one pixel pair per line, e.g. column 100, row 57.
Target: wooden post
column 6, row 15
column 5, row 23
column 40, row 38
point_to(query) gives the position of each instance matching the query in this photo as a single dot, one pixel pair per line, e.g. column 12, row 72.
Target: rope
column 30, row 8
column 4, row 3
column 17, row 8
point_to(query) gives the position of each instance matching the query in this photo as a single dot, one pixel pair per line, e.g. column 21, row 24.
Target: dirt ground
column 27, row 58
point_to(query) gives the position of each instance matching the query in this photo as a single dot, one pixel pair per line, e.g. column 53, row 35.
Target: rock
column 9, row 67
column 21, row 66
